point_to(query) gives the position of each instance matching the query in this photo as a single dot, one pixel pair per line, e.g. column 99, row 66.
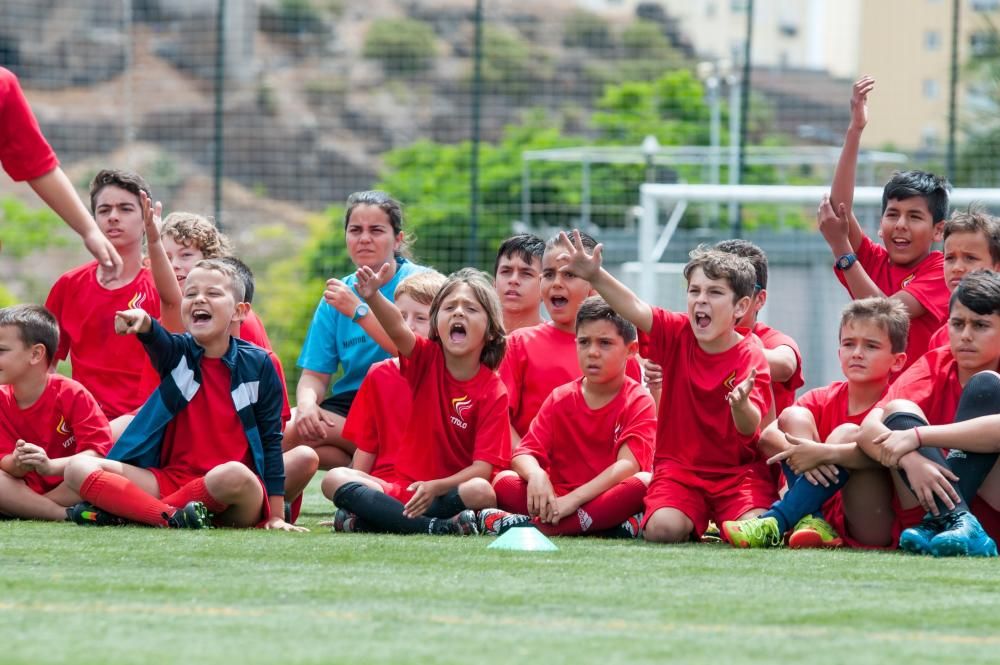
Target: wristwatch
column 360, row 311
column 846, row 261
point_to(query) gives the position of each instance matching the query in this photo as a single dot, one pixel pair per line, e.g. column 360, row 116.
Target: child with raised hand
column 541, row 358
column 947, row 386
column 109, row 367
column 378, row 419
column 458, row 432
column 517, row 275
column 914, row 207
column 815, row 441
column 46, row 419
column 583, row 466
column 716, row 390
column 208, row 441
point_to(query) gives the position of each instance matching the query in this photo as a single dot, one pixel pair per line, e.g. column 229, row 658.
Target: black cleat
column 192, row 516
column 87, row 514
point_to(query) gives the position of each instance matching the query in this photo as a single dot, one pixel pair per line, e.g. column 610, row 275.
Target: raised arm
column 835, row 225
column 163, row 273
column 341, row 297
column 617, row 295
column 845, row 177
column 389, row 317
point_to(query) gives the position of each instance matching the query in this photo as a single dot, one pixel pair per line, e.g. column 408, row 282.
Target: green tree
column 403, row 46
column 24, row 230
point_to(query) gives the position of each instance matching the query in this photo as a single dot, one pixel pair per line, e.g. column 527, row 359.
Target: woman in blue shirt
column 343, row 333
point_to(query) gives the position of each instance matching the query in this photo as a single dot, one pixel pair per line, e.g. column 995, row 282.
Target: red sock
column 195, row 490
column 602, row 512
column 120, row 496
column 512, row 494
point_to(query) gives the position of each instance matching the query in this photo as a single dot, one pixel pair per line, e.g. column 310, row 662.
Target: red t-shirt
column 924, row 282
column 538, row 360
column 784, row 392
column 575, row 443
column 828, row 406
column 940, row 337
column 286, row 408
column 206, row 433
column 932, row 384
column 452, row 423
column 64, row 421
column 696, row 432
column 252, row 330
column 379, row 414
column 24, row 152
column 108, row 365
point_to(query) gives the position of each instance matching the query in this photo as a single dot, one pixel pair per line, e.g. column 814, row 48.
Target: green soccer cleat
column 814, row 532
column 917, row 539
column 754, row 532
column 192, row 516
column 495, row 522
column 963, row 536
column 87, row 514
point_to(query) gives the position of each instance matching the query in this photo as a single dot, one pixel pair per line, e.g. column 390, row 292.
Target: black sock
column 901, row 421
column 448, row 504
column 382, row 513
column 980, row 397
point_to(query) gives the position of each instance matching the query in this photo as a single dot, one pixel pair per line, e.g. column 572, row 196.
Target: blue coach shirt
column 334, row 340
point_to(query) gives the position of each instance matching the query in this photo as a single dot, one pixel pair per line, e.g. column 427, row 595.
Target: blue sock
column 803, row 498
column 790, row 480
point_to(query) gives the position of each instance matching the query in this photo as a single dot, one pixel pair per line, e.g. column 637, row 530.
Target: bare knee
column 901, row 406
column 845, row 433
column 301, row 461
column 230, row 481
column 668, row 525
column 477, row 494
column 336, row 478
column 794, row 419
column 78, row 469
column 645, row 476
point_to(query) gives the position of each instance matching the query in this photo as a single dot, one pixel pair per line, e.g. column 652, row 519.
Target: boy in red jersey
column 381, row 409
column 946, row 387
column 458, row 431
column 541, row 358
column 814, row 440
column 209, row 439
column 716, row 390
column 26, row 156
column 583, row 466
column 971, row 242
column 517, row 277
column 109, row 366
column 914, row 207
column 45, row 418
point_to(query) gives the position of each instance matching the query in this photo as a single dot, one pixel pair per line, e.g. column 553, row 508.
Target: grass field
column 134, row 595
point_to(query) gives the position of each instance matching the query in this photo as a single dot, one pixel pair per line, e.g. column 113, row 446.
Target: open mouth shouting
column 702, row 320
column 457, row 332
column 200, row 316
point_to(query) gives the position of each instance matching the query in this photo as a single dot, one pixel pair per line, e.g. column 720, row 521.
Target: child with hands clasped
column 716, row 388
column 208, row 441
column 46, row 419
column 458, row 431
column 582, row 468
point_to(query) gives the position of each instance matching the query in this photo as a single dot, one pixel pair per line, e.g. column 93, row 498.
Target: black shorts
column 340, row 403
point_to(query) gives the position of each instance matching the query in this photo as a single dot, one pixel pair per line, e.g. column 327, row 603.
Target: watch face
column 845, row 262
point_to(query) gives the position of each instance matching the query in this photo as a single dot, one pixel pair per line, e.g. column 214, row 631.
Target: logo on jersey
column 64, row 430
column 136, row 301
column 461, row 405
column 907, row 281
column 730, row 381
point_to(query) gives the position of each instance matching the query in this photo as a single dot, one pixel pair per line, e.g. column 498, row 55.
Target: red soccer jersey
column 924, row 282
column 784, row 392
column 24, row 152
column 696, row 432
column 64, row 421
column 108, row 365
column 828, row 406
column 253, row 331
column 931, row 383
column 286, row 408
column 538, row 360
column 575, row 443
column 379, row 414
column 940, row 337
column 205, row 433
column 452, row 423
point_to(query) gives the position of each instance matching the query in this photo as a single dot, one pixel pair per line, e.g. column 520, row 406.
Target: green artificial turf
column 72, row 594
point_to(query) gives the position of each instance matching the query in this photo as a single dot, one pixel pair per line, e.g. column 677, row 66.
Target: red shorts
column 719, row 497
column 396, row 490
column 175, row 490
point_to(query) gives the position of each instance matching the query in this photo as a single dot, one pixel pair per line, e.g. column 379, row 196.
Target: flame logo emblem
column 730, row 382
column 136, row 301
column 61, row 427
column 461, row 405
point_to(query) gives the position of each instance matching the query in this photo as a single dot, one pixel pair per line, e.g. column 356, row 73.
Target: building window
column 737, row 6
column 932, row 40
column 983, row 43
column 931, row 89
column 985, row 5
column 929, row 137
column 710, row 10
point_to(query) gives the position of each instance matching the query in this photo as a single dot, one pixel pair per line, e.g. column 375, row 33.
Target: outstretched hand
column 132, row 321
column 741, row 392
column 859, row 101
column 578, row 260
column 109, row 262
column 369, row 281
column 151, row 216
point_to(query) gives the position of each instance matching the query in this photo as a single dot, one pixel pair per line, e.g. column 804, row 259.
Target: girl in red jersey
column 458, row 430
